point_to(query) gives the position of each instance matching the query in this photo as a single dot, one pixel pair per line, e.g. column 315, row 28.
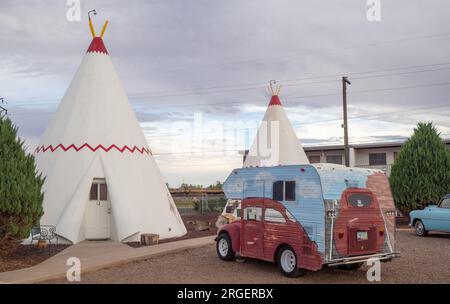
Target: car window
column 290, row 217
column 274, row 216
column 445, row 203
column 252, row 213
column 360, row 200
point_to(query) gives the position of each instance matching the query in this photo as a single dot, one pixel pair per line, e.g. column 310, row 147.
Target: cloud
column 31, row 122
column 182, row 47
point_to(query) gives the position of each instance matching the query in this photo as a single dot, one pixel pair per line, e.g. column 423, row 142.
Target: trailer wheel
column 224, row 248
column 287, row 262
column 420, row 228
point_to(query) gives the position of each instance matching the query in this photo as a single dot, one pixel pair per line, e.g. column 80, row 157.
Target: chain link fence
column 200, row 204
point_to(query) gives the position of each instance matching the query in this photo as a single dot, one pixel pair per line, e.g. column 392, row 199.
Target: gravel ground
column 423, row 260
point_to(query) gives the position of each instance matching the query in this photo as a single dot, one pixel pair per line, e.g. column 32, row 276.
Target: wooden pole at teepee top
column 91, row 26
column 274, row 91
column 104, row 28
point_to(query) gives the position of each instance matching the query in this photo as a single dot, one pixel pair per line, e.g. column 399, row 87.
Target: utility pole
column 2, row 109
column 345, row 81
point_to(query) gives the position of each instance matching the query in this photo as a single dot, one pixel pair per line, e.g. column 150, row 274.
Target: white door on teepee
column 98, row 219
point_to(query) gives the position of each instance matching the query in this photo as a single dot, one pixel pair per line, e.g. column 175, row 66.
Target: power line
column 308, row 96
column 286, row 85
column 251, row 86
column 366, row 116
column 238, row 150
column 325, row 50
column 401, row 73
column 287, row 97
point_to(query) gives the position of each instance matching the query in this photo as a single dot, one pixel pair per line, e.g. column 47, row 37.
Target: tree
column 190, row 186
column 421, row 172
column 20, row 189
column 217, row 186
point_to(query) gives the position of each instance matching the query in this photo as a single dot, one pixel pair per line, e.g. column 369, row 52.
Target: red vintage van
column 267, row 231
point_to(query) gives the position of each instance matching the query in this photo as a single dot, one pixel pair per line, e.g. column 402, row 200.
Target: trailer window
column 278, row 191
column 283, row 191
column 360, row 200
column 289, row 191
column 252, row 213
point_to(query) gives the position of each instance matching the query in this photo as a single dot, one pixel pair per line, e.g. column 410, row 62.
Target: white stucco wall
column 362, row 155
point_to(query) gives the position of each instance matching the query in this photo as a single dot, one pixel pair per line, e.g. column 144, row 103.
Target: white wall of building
column 362, row 155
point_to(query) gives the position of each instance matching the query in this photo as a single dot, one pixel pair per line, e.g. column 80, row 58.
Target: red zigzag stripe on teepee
column 86, row 145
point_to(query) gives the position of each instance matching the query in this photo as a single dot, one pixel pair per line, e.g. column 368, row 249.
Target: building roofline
column 361, row 146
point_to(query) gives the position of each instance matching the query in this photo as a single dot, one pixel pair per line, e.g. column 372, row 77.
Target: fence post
column 204, row 203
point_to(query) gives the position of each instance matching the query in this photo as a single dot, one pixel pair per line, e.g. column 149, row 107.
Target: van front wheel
column 224, row 247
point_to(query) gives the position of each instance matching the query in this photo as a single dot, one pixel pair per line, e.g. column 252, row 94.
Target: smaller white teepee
column 276, row 142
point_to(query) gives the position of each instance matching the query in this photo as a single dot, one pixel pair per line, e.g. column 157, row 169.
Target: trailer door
column 253, row 188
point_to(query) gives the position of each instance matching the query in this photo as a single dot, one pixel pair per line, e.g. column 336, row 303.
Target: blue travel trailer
column 348, row 213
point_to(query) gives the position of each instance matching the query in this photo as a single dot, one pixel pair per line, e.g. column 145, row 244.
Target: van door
column 252, row 237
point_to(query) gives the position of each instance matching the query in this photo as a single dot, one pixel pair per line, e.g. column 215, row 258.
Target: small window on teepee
column 94, row 192
column 103, row 192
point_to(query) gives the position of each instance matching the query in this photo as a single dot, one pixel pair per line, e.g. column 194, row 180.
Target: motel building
column 372, row 155
column 368, row 155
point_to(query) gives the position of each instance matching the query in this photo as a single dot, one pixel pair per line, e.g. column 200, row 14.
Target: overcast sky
column 196, row 71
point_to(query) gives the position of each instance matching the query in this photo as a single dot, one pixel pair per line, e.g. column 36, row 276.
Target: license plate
column 362, row 236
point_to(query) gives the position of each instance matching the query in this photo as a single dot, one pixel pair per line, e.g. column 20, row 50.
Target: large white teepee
column 276, row 142
column 101, row 179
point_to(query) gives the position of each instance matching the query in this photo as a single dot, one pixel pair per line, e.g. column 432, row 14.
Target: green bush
column 421, row 172
column 20, row 189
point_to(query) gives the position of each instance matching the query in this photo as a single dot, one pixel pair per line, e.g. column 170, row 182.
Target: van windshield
column 360, row 200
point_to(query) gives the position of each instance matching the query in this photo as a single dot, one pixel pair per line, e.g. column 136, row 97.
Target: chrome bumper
column 363, row 258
